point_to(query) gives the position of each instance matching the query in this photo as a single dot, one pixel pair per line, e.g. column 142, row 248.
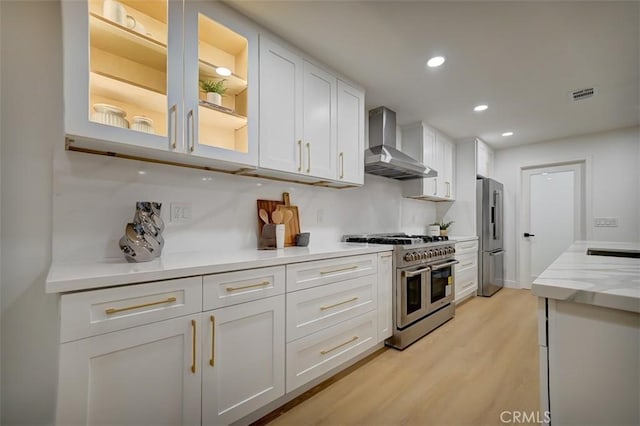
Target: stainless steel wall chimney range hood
column 383, row 158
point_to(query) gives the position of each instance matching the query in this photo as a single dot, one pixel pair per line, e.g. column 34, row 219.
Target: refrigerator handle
column 496, row 214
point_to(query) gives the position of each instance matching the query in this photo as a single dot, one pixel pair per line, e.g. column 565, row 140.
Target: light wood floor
column 466, row 372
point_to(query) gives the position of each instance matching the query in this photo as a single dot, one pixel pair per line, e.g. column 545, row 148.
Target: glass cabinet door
column 220, row 84
column 119, row 58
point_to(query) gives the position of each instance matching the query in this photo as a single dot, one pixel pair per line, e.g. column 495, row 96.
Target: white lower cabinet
column 211, row 350
column 243, row 359
column 385, row 296
column 320, row 352
column 145, row 375
column 466, row 270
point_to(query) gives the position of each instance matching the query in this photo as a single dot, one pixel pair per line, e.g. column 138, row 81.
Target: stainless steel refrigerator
column 489, row 223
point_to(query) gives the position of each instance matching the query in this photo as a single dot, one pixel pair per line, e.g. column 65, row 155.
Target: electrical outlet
column 605, row 222
column 180, row 212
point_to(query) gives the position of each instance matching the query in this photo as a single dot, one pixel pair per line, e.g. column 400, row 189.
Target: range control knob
column 408, row 257
column 424, row 255
column 416, row 256
column 430, row 254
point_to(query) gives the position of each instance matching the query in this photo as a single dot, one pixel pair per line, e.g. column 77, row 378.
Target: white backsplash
column 95, row 196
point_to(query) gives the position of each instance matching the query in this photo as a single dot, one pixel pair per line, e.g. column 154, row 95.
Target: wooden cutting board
column 291, row 228
column 269, row 206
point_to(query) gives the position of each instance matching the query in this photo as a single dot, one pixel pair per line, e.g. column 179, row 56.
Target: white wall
column 612, row 184
column 32, row 125
column 94, row 198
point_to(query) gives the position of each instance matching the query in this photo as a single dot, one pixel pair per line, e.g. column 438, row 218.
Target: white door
column 147, row 375
column 350, row 134
column 243, row 359
column 280, row 102
column 319, row 122
column 552, row 216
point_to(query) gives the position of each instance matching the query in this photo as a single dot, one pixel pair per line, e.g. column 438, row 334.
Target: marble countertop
column 74, row 276
column 612, row 282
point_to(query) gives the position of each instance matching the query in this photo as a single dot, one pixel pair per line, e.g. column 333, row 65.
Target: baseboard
column 511, row 284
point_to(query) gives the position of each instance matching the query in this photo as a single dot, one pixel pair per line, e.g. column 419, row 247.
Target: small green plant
column 443, row 225
column 210, row 86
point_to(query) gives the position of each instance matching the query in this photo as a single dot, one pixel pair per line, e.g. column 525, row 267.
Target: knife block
column 267, row 239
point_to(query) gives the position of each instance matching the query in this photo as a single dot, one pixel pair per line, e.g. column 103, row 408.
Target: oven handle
column 414, row 273
column 444, row 265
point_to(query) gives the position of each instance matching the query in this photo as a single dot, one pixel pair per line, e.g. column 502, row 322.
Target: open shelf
column 210, row 113
column 133, row 99
column 234, row 83
column 114, row 38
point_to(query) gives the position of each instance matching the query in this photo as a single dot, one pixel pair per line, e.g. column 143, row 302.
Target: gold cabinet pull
column 173, row 124
column 212, row 361
column 341, row 165
column 435, row 186
column 466, row 264
column 466, row 247
column 348, row 268
column 300, row 150
column 353, row 339
column 193, row 347
column 192, row 135
column 324, row 308
column 308, row 157
column 143, row 305
column 448, row 189
column 386, row 256
column 263, row 283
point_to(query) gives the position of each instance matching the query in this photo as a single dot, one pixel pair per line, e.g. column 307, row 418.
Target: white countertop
column 74, row 276
column 612, row 282
column 462, row 238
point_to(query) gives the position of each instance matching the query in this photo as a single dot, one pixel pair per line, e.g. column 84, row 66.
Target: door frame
column 582, row 168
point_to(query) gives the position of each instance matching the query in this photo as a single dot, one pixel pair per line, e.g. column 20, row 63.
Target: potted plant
column 442, row 225
column 214, row 90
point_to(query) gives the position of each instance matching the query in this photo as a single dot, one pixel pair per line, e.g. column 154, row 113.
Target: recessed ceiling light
column 480, row 108
column 436, row 61
column 507, row 134
column 142, row 172
column 225, row 72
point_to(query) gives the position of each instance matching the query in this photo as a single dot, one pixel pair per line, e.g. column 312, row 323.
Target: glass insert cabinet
column 137, row 74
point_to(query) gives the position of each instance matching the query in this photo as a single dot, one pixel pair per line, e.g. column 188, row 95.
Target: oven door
column 412, row 292
column 442, row 285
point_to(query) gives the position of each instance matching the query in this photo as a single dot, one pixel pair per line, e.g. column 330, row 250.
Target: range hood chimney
column 383, row 158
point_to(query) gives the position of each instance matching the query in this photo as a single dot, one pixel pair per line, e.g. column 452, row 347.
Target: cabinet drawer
column 466, row 247
column 312, row 274
column 466, row 261
column 241, row 286
column 466, row 279
column 317, row 308
column 318, row 353
column 101, row 311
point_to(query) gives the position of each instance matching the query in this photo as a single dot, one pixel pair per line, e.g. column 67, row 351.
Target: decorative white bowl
column 142, row 124
column 109, row 115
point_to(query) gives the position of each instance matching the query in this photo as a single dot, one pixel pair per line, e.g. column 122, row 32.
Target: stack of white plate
column 109, row 115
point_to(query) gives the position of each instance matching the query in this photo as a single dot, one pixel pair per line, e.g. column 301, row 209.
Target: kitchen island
column 589, row 336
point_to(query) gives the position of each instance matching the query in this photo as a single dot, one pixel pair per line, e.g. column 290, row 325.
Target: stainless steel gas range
column 423, row 283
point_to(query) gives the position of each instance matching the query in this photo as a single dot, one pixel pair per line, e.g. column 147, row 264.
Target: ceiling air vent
column 578, row 95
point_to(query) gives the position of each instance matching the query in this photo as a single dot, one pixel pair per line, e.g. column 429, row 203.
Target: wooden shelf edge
column 222, row 110
column 124, row 81
column 128, row 30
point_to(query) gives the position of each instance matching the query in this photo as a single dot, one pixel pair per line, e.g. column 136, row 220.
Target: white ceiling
column 521, row 58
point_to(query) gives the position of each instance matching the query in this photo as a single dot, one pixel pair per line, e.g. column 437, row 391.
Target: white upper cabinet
column 132, row 72
column 436, row 151
column 484, row 159
column 280, row 100
column 305, row 112
column 215, row 41
column 319, row 121
column 350, row 134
